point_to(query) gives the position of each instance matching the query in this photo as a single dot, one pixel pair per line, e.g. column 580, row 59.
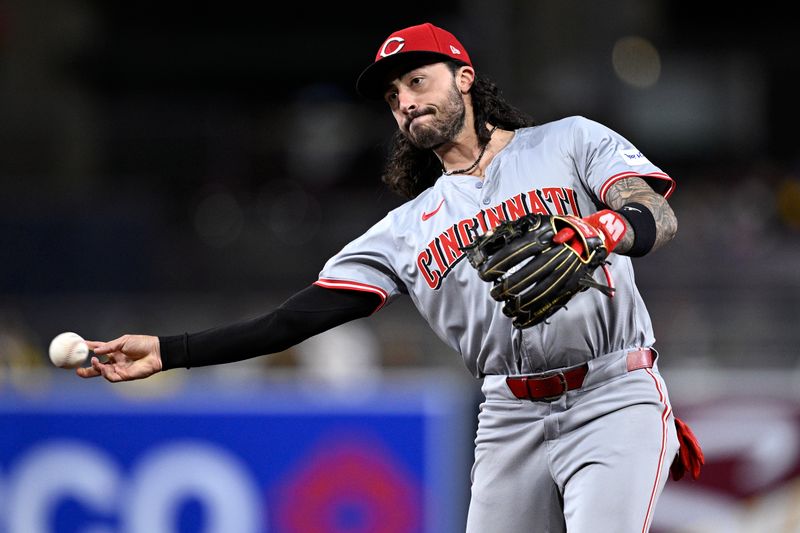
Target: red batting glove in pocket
column 690, row 456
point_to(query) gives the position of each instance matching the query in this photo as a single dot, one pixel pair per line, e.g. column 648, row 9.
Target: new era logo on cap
column 423, row 42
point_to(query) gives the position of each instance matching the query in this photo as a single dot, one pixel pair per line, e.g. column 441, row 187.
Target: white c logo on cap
column 400, row 40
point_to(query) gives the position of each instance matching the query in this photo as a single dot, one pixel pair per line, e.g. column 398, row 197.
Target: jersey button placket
column 479, row 187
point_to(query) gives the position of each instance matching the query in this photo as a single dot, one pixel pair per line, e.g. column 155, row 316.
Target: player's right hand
column 128, row 357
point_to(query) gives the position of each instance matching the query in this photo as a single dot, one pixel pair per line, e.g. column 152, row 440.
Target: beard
column 442, row 129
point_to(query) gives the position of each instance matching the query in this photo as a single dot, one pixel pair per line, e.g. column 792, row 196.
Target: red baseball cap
column 422, row 43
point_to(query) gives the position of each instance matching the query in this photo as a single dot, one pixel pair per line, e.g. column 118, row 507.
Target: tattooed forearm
column 637, row 190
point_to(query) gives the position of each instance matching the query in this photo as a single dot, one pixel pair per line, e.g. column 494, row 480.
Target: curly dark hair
column 410, row 170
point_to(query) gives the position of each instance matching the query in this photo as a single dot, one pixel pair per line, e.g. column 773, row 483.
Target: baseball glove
column 537, row 263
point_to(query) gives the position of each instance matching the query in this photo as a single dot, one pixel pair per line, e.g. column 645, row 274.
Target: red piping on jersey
column 622, row 175
column 353, row 286
column 664, row 418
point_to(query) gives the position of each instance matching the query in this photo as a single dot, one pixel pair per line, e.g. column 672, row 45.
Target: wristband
column 644, row 228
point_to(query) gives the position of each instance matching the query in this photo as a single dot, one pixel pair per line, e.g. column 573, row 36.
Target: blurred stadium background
column 171, row 166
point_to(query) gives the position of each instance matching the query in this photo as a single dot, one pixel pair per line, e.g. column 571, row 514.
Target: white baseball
column 68, row 350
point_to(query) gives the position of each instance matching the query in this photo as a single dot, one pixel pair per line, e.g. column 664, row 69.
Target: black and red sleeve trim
column 660, row 181
column 354, row 286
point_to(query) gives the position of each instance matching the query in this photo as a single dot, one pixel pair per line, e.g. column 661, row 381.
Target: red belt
column 553, row 385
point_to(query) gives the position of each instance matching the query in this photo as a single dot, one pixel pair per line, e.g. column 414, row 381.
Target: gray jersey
column 563, row 167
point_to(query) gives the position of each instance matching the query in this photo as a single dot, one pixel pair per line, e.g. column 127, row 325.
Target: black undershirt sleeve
column 309, row 312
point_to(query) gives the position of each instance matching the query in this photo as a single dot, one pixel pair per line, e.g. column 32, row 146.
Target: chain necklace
column 473, row 165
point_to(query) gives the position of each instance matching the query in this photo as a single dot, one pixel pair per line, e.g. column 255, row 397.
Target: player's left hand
column 129, row 357
column 609, row 225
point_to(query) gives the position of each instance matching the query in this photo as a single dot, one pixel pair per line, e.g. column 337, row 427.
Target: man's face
column 427, row 105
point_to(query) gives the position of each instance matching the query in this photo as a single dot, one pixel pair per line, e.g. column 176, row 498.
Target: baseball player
column 576, row 432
